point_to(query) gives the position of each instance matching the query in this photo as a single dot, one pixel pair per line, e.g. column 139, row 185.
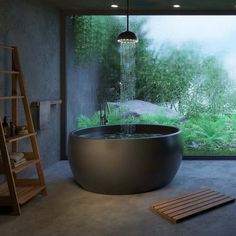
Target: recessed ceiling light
column 114, row 5
column 176, row 6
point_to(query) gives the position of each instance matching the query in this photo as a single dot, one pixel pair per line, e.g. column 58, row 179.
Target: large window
column 182, row 72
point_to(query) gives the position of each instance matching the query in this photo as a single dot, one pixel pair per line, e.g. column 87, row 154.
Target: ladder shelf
column 17, row 191
column 19, row 137
column 24, row 193
column 11, row 72
column 10, row 97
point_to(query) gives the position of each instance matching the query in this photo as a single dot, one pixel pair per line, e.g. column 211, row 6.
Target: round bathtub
column 125, row 159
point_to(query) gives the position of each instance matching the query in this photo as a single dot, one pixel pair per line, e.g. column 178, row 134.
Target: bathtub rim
column 74, row 133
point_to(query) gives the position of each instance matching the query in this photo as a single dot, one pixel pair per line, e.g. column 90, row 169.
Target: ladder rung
column 27, row 182
column 12, row 72
column 24, row 165
column 24, row 193
column 6, row 47
column 11, row 97
column 19, row 137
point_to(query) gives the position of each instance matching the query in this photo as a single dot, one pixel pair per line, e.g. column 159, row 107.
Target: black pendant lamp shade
column 127, row 36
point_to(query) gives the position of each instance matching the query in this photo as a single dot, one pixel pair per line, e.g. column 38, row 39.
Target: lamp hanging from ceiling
column 127, row 36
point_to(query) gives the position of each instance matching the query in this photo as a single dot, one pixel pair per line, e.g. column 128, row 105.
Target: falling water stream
column 127, row 92
column 127, row 65
column 128, row 79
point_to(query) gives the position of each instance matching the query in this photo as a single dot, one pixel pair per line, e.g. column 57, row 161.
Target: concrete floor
column 69, row 210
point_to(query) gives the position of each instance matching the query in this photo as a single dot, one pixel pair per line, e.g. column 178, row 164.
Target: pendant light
column 127, row 36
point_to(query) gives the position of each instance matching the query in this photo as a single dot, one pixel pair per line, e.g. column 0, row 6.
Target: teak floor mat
column 188, row 205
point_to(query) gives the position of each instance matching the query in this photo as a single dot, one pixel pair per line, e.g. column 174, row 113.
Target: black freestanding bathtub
column 125, row 159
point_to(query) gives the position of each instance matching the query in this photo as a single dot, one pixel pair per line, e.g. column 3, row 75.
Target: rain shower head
column 127, row 36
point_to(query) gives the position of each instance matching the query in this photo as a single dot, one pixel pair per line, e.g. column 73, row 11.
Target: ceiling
column 148, row 6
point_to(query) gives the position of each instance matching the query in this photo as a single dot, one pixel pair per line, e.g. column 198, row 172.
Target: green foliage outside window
column 182, row 77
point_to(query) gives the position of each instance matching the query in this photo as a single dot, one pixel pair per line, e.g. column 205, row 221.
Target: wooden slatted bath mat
column 188, row 205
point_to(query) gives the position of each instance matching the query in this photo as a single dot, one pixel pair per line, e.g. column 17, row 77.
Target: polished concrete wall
column 82, row 81
column 34, row 28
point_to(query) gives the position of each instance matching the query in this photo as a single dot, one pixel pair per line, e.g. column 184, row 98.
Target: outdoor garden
column 174, row 84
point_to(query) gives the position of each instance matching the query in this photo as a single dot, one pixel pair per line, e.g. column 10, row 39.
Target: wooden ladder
column 15, row 191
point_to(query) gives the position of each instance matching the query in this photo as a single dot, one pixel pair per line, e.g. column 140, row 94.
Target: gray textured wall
column 82, row 82
column 34, row 28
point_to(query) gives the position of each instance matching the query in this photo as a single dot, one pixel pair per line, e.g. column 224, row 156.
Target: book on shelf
column 16, row 156
column 16, row 164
